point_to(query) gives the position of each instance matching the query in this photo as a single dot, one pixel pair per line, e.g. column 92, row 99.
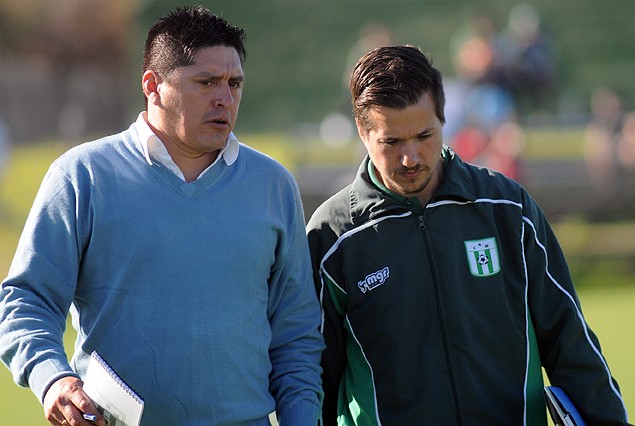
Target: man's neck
column 191, row 164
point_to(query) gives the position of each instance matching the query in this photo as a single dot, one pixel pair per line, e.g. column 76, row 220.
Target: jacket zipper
column 446, row 349
column 422, row 223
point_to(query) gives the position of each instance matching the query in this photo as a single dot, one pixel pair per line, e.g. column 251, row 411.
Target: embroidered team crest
column 482, row 256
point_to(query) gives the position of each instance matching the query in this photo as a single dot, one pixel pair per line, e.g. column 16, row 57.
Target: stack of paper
column 119, row 404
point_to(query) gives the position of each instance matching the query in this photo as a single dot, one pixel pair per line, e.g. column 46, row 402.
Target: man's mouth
column 219, row 122
column 409, row 173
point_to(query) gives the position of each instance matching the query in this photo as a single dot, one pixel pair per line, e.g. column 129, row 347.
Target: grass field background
column 606, row 284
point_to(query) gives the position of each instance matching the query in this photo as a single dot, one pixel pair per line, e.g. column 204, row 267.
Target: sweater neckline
column 189, row 189
column 186, row 189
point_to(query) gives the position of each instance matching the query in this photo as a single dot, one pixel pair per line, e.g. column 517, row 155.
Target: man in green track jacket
column 443, row 287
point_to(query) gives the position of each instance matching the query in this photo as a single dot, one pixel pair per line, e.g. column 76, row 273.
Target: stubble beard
column 410, row 190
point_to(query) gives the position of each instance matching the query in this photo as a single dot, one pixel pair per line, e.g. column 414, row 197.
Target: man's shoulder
column 334, row 212
column 259, row 161
column 98, row 146
column 490, row 183
column 98, row 152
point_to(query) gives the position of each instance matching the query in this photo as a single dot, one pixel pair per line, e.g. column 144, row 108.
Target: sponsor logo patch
column 482, row 256
column 374, row 280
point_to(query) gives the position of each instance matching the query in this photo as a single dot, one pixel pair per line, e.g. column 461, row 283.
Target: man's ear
column 361, row 131
column 150, row 82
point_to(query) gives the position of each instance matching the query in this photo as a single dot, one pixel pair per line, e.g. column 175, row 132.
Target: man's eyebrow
column 211, row 76
column 391, row 139
column 422, row 134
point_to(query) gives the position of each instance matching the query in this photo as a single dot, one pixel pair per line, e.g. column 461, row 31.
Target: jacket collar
column 368, row 201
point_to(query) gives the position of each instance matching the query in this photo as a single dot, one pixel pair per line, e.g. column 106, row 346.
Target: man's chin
column 218, row 138
column 412, row 190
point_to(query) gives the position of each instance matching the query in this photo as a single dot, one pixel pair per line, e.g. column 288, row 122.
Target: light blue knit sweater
column 198, row 294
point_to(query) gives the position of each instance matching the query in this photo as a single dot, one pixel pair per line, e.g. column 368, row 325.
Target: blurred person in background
column 504, row 77
column 179, row 251
column 626, row 156
column 602, row 136
column 5, row 153
column 443, row 288
column 481, row 106
column 626, row 147
column 337, row 127
column 529, row 59
column 5, row 146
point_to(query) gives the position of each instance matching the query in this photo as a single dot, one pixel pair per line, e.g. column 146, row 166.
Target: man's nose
column 409, row 155
column 223, row 97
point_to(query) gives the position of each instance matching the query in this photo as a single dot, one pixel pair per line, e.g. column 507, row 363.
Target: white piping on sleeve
column 578, row 314
column 522, row 237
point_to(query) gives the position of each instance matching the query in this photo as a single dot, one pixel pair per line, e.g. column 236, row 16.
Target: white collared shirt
column 154, row 150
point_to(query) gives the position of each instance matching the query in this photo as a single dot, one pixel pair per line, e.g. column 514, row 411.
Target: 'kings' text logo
column 482, row 256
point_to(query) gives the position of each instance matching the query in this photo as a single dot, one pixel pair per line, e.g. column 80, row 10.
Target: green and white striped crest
column 482, row 256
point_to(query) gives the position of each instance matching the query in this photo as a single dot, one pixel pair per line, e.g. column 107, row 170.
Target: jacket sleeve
column 334, row 356
column 36, row 295
column 569, row 350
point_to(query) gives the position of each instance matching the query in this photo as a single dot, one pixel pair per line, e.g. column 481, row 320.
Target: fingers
column 57, row 399
column 87, row 410
column 66, row 401
column 82, row 402
column 73, row 417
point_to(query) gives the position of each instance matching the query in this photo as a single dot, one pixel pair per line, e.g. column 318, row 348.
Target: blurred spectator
column 501, row 77
column 478, row 96
column 373, row 34
column 529, row 60
column 609, row 151
column 337, row 127
column 5, row 149
column 626, row 147
column 504, row 149
column 498, row 150
column 5, row 146
column 602, row 138
column 476, row 50
column 479, row 103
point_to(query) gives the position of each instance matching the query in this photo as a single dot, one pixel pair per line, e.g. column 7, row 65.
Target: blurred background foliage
column 72, row 68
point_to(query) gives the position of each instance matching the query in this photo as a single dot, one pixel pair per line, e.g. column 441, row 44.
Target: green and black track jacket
column 429, row 313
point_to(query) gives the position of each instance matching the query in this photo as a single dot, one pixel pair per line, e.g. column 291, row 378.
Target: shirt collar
column 154, row 150
column 380, row 185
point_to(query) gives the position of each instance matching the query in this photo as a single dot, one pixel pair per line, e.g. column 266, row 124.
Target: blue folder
column 561, row 409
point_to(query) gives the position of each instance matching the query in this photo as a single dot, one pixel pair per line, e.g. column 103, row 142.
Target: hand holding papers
column 119, row 404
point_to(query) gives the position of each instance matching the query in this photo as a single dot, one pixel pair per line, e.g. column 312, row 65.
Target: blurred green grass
column 601, row 255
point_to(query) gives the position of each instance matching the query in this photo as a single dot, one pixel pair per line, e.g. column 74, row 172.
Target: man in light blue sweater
column 180, row 253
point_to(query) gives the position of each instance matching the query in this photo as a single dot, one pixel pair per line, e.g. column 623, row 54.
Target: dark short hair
column 174, row 39
column 394, row 77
